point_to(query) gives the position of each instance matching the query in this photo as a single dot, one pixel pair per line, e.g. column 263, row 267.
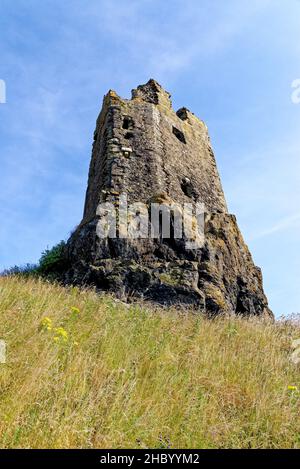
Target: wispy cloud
column 167, row 38
column 288, row 223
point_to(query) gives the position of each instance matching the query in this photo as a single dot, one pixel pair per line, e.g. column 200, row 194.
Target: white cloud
column 288, row 223
column 169, row 38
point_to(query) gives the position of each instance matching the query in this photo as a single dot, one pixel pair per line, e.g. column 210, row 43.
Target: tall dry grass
column 116, row 376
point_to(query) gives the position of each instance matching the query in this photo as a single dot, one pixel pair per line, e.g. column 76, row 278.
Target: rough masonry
column 144, row 148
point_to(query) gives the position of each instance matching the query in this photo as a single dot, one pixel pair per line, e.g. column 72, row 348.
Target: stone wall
column 142, row 146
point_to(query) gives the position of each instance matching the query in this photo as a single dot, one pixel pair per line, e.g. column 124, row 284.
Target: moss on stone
column 214, row 293
column 168, row 279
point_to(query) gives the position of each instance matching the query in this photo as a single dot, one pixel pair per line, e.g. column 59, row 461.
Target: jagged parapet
column 143, row 148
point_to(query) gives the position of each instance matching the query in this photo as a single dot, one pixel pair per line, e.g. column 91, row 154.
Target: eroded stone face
column 143, row 148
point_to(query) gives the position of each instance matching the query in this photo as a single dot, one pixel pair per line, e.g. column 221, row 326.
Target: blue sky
column 231, row 62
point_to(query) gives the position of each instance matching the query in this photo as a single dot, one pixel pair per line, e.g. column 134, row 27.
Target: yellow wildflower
column 75, row 310
column 46, row 323
column 60, row 334
column 292, row 388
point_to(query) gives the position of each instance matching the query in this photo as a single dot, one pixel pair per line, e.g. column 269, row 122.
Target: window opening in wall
column 178, row 134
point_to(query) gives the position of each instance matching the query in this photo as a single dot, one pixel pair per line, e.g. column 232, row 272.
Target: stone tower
column 145, row 149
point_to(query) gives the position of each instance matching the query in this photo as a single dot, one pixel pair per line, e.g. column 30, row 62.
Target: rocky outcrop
column 143, row 148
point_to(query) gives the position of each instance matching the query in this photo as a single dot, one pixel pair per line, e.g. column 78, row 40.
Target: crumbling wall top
column 153, row 93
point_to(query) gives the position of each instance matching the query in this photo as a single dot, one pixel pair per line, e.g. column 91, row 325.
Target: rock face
column 146, row 150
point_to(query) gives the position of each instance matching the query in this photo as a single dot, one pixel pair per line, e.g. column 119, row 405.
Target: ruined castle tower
column 143, row 148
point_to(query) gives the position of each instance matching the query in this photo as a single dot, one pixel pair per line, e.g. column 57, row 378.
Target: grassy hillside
column 87, row 371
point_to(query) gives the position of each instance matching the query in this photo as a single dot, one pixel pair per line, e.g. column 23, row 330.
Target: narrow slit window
column 178, row 134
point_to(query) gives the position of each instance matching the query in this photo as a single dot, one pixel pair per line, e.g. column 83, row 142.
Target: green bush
column 52, row 264
column 53, row 260
column 24, row 270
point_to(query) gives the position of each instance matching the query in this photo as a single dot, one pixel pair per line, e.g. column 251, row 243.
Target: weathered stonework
column 146, row 149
